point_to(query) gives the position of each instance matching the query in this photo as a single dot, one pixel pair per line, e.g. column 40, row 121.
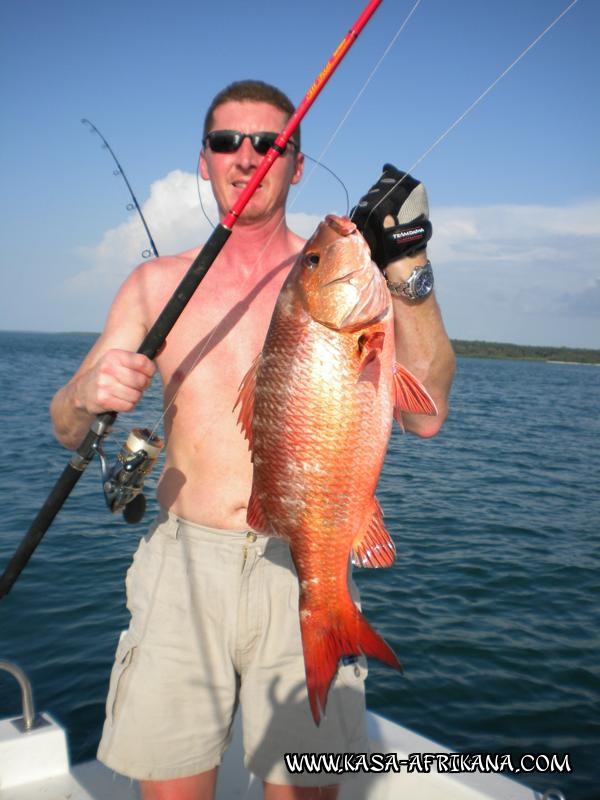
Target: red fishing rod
column 157, row 335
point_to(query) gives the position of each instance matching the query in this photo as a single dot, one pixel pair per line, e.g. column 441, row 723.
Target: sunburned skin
column 207, row 472
column 207, row 475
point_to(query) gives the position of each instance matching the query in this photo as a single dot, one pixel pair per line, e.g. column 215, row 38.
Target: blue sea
column 493, row 604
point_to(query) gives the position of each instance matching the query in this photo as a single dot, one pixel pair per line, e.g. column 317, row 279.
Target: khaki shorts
column 214, row 624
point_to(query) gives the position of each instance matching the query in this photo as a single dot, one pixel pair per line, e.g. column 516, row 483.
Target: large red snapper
column 317, row 410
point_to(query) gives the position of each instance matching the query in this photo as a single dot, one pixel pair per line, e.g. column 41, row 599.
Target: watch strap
column 410, row 289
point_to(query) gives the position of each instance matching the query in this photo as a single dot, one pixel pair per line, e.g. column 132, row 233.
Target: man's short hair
column 252, row 91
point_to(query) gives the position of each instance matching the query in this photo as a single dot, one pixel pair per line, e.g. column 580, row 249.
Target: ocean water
column 493, row 604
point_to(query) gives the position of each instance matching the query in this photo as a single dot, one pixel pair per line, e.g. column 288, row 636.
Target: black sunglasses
column 230, row 141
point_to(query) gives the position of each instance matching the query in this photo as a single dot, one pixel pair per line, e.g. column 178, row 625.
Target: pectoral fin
column 410, row 395
column 374, row 547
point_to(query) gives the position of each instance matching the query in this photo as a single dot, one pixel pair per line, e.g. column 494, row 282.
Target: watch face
column 424, row 282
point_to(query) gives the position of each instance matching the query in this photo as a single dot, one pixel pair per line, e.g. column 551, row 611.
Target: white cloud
column 174, row 217
column 512, row 233
column 303, row 224
column 176, row 222
column 529, row 274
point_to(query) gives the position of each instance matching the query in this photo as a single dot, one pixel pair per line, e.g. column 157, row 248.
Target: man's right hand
column 115, row 383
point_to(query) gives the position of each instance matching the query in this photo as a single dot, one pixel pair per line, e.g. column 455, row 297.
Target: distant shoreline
column 462, row 347
column 554, row 355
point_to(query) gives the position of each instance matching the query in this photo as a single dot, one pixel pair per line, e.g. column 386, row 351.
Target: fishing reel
column 123, row 483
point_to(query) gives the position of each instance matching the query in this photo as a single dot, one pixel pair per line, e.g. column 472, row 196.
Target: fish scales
column 317, row 409
column 317, row 459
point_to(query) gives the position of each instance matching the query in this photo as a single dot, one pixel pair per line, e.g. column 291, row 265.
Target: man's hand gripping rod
column 156, row 336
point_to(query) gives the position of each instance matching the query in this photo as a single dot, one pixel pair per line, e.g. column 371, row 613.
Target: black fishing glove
column 408, row 228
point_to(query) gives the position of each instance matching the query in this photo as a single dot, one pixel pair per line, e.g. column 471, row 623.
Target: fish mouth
column 347, row 278
column 349, row 324
column 341, row 287
column 341, row 225
column 372, row 307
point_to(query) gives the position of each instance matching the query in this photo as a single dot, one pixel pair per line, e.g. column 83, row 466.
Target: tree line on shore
column 478, row 349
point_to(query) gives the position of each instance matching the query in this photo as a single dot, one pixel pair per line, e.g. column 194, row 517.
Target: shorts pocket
column 353, row 669
column 352, row 672
column 120, row 676
column 347, row 696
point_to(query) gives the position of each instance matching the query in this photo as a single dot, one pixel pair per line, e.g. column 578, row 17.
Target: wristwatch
column 418, row 285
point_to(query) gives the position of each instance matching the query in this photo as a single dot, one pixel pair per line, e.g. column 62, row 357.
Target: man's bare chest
column 220, row 332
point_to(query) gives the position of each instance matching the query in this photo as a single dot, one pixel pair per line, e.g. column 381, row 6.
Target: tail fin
column 342, row 632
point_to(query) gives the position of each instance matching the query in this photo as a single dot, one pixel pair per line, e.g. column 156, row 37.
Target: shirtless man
column 173, row 692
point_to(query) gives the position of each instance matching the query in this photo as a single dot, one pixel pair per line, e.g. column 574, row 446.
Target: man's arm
column 112, row 377
column 422, row 346
column 393, row 216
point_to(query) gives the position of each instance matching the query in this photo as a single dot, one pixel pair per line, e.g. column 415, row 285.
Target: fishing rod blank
column 120, row 171
column 157, row 334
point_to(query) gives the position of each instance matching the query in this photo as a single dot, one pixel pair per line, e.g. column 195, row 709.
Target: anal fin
column 375, row 547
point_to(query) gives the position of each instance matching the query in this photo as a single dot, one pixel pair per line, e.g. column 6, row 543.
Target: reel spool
column 123, row 483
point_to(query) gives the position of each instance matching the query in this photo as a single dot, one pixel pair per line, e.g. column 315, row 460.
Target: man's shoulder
column 296, row 242
column 173, row 261
column 164, row 267
column 150, row 284
column 168, row 270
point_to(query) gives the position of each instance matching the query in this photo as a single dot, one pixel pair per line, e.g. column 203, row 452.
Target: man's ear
column 298, row 168
column 202, row 166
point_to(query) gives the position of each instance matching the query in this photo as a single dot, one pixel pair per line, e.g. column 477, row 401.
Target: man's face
column 230, row 172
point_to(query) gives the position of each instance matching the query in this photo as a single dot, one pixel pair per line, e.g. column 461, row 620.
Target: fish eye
column 311, row 260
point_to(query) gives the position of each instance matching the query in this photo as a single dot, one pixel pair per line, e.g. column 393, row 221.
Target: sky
column 514, row 188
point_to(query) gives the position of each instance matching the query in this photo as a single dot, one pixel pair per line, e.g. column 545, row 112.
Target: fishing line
column 363, row 88
column 156, row 336
column 206, row 217
column 316, row 162
column 310, row 158
column 473, row 105
column 204, row 348
column 342, row 122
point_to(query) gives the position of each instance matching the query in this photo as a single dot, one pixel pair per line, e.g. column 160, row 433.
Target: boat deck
column 34, row 765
